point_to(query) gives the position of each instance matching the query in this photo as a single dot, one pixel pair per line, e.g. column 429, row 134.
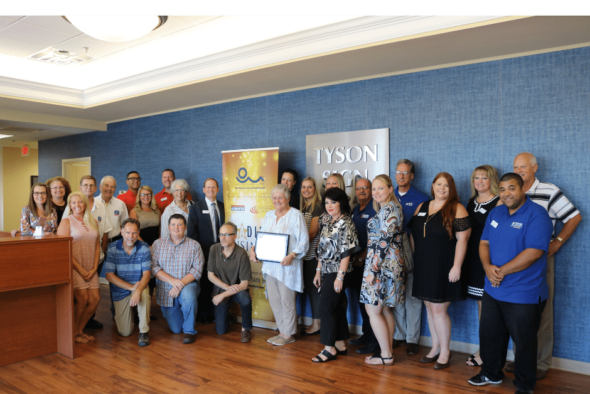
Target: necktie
column 217, row 225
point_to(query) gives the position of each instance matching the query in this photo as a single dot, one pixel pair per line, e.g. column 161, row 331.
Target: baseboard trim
column 562, row 364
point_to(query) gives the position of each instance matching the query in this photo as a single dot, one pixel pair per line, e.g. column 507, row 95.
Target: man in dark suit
column 204, row 221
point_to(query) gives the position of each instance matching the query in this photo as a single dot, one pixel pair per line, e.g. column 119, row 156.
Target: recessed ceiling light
column 58, row 56
column 5, row 136
column 116, row 28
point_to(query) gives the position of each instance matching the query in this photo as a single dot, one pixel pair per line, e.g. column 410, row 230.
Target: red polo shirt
column 163, row 199
column 128, row 198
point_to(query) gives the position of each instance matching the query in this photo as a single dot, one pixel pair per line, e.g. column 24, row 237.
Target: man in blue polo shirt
column 408, row 316
column 361, row 214
column 513, row 252
column 128, row 268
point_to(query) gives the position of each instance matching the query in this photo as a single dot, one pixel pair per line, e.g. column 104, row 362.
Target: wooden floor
column 222, row 364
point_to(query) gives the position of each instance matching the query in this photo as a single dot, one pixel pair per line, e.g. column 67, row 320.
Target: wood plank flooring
column 222, row 364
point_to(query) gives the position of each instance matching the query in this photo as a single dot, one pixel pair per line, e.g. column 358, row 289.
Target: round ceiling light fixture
column 116, row 28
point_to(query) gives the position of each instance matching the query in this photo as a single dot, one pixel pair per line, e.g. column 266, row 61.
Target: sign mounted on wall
column 24, row 151
column 354, row 154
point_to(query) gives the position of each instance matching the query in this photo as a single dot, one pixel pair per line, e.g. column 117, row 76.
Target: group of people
column 397, row 249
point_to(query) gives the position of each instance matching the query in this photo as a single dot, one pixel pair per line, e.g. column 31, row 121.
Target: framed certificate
column 271, row 247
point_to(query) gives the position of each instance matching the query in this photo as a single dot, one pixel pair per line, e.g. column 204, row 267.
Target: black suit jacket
column 199, row 225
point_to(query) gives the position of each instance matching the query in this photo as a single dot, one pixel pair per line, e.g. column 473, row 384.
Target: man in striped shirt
column 178, row 265
column 559, row 207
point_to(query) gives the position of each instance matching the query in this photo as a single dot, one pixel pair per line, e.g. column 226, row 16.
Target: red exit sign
column 24, row 151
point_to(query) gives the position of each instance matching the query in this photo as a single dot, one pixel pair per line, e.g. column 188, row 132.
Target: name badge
column 116, row 213
column 482, row 210
column 207, row 211
column 494, row 224
column 421, row 213
column 365, row 216
column 164, row 199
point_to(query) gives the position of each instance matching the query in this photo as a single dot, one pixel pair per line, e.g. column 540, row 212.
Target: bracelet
column 318, row 269
column 342, row 273
column 339, row 278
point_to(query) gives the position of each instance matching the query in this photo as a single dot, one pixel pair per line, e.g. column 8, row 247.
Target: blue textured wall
column 450, row 120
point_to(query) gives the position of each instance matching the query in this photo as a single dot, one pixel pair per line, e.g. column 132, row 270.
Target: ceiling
column 201, row 60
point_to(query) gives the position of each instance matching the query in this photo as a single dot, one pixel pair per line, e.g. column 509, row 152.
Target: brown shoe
column 426, row 360
column 438, row 365
column 509, row 367
column 246, row 336
column 188, row 338
column 541, row 374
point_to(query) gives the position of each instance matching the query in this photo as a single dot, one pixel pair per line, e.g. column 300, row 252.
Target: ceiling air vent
column 59, row 56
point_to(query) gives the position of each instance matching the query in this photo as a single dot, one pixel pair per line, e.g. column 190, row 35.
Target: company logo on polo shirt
column 243, row 177
column 516, row 225
column 409, row 204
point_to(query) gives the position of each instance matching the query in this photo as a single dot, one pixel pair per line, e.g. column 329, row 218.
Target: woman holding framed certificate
column 285, row 278
column 338, row 241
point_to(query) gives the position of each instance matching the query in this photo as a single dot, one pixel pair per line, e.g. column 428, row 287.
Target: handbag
column 407, row 253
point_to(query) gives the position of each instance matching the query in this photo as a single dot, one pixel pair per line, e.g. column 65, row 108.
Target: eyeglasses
column 87, row 186
column 359, row 188
column 134, row 179
column 403, row 172
column 226, row 234
column 39, row 194
column 58, row 188
column 145, row 194
column 179, row 190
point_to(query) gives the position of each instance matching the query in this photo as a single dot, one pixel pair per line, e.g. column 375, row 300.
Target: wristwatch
column 559, row 239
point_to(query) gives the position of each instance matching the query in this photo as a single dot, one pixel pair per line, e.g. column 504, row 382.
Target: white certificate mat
column 271, row 247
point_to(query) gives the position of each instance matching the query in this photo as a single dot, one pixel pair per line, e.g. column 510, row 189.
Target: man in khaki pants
column 128, row 268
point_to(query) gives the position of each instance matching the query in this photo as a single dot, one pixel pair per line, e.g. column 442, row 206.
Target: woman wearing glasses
column 60, row 191
column 180, row 205
column 38, row 212
column 147, row 213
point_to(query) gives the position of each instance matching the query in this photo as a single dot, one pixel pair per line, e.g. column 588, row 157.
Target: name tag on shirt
column 421, row 213
column 494, row 224
column 482, row 210
column 164, row 199
column 207, row 212
column 365, row 216
column 116, row 213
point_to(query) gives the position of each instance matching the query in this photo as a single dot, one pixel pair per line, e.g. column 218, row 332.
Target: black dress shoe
column 397, row 343
column 362, row 340
column 189, row 338
column 304, row 333
column 426, row 360
column 369, row 348
column 94, row 324
column 412, row 349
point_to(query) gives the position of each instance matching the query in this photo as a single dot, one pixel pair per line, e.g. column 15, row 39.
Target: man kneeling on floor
column 128, row 268
column 513, row 251
column 229, row 271
column 178, row 265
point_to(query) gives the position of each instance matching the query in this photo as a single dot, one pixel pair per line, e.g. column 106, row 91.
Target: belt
column 118, row 237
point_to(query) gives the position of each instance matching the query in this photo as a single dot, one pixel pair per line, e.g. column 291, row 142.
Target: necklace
column 427, row 219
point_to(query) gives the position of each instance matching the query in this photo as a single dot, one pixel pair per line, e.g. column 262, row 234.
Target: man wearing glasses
column 204, row 221
column 133, row 184
column 408, row 316
column 229, row 271
column 361, row 214
column 98, row 211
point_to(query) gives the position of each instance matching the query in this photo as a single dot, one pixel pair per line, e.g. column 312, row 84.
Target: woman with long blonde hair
column 147, row 213
column 82, row 226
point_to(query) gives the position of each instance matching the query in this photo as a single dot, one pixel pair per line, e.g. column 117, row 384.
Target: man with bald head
column 559, row 208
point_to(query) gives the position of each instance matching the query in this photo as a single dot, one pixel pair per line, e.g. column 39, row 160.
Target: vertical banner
column 248, row 177
column 354, row 154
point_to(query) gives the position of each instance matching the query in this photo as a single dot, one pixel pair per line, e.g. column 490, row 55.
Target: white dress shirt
column 116, row 212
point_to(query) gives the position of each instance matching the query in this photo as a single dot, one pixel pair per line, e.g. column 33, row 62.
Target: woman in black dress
column 440, row 231
column 484, row 198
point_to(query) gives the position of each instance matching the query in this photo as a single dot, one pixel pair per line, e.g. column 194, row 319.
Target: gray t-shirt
column 230, row 270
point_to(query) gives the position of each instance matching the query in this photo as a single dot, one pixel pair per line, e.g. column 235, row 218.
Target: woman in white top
column 180, row 205
column 284, row 280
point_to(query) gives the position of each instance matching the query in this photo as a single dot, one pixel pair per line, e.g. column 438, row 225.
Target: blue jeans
column 181, row 316
column 222, row 311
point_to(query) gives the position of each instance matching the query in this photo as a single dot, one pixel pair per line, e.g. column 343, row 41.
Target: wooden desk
column 36, row 298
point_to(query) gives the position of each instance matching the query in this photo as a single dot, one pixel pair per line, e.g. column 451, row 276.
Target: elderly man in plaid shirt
column 177, row 263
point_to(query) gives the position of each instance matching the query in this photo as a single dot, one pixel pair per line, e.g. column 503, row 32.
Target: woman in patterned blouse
column 338, row 241
column 38, row 212
column 383, row 284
